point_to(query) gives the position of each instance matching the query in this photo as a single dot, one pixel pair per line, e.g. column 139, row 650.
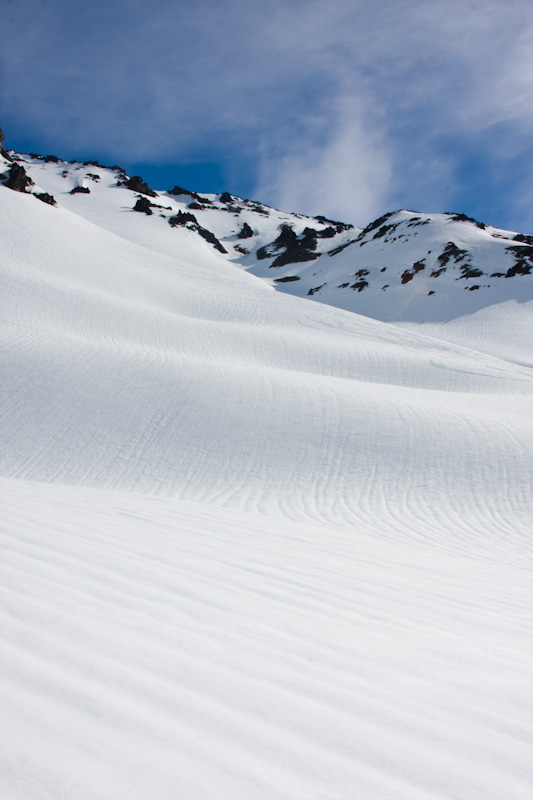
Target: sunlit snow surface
column 255, row 546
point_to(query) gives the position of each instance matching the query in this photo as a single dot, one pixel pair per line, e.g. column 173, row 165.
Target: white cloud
column 346, row 177
column 352, row 103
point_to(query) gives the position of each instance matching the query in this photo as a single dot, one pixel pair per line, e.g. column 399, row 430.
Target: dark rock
column 240, row 249
column 17, row 179
column 311, row 292
column 143, row 205
column 135, row 183
column 385, row 229
column 296, row 249
column 182, row 218
column 46, row 198
column 80, row 190
column 463, row 218
column 225, row 197
column 53, row 159
column 359, row 286
column 246, row 232
column 523, row 259
column 520, row 268
column 211, row 238
column 372, row 226
column 451, row 251
column 337, row 250
column 523, row 237
column 471, row 273
column 288, row 279
column 179, row 190
column 339, row 226
column 308, row 239
column 406, row 276
column 327, row 233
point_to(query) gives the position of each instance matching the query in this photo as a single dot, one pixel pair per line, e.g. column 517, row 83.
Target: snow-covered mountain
column 256, row 545
column 404, row 266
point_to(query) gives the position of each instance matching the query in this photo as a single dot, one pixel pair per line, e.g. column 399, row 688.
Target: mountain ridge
column 405, row 266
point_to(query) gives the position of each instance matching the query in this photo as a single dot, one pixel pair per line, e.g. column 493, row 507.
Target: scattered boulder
column 287, row 279
column 80, row 190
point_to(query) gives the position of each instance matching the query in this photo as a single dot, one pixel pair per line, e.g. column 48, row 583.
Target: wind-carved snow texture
column 258, row 546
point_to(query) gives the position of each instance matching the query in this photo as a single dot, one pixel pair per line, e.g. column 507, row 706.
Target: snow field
column 253, row 546
column 163, row 648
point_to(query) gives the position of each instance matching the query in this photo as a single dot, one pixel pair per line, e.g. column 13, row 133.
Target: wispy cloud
column 343, row 109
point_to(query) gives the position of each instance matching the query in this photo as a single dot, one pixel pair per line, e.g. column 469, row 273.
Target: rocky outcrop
column 294, row 248
column 136, row 184
column 245, row 232
column 17, row 179
column 143, row 205
column 187, row 220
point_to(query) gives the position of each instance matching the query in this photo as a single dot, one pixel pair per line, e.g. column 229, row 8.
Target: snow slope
column 256, row 546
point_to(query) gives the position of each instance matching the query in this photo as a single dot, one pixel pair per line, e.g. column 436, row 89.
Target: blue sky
column 348, row 109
